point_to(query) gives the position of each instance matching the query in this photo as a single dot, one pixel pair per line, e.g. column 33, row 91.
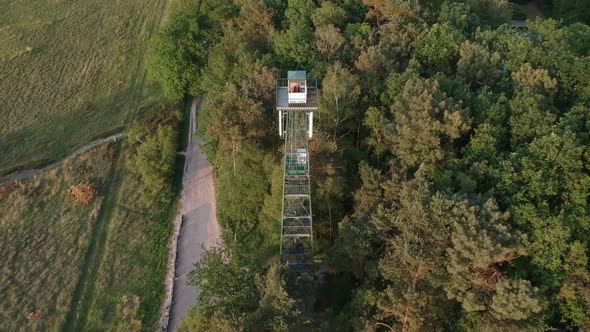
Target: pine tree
column 354, row 249
column 380, row 130
column 483, row 245
column 426, row 124
column 370, row 193
column 477, row 65
column 415, row 235
column 534, row 80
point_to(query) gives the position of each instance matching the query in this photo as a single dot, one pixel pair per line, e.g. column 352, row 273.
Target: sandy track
column 199, row 228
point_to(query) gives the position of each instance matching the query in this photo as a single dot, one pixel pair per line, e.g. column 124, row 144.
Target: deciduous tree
column 294, row 43
column 328, row 40
column 155, row 160
column 339, row 98
column 438, row 47
column 177, row 54
column 492, row 12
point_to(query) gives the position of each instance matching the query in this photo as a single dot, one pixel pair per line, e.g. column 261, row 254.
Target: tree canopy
column 450, row 163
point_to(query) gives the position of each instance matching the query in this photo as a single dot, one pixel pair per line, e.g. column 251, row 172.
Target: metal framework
column 296, row 126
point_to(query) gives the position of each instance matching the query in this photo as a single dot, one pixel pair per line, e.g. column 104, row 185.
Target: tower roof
column 296, row 75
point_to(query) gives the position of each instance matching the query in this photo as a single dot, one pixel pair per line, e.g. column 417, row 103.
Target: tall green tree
column 294, row 43
column 178, row 52
column 548, row 190
column 339, row 98
column 276, row 311
column 415, row 235
column 329, row 13
column 438, row 47
column 426, row 124
column 477, row 65
column 380, row 129
column 574, row 294
column 483, row 246
column 530, row 117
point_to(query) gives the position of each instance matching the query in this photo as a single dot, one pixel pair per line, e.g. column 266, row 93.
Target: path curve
column 21, row 175
column 199, row 229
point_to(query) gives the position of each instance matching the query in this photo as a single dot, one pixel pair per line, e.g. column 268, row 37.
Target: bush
column 82, row 194
column 5, row 190
column 155, row 160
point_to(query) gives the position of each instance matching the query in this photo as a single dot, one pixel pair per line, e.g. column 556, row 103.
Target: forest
column 450, row 162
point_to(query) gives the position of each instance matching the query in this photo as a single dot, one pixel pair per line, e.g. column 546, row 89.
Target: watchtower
column 296, row 100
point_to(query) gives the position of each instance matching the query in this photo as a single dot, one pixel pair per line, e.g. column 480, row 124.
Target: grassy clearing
column 44, row 238
column 133, row 263
column 72, row 71
column 124, row 288
column 94, row 268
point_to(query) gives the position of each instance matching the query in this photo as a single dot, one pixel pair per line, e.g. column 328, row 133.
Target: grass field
column 126, row 288
column 44, row 239
column 71, row 71
column 122, row 287
column 93, row 268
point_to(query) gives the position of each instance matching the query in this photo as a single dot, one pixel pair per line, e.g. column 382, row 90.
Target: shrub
column 82, row 194
column 6, row 189
column 155, row 160
column 33, row 315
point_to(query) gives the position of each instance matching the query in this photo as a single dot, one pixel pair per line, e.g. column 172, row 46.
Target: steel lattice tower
column 297, row 99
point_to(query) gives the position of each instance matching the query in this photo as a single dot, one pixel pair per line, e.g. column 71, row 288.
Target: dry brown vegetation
column 82, row 194
column 6, row 189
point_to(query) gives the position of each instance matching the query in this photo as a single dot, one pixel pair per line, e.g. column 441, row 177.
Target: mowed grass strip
column 44, row 237
column 129, row 285
column 70, row 71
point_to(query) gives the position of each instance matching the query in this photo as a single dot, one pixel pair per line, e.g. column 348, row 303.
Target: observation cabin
column 297, row 87
column 296, row 93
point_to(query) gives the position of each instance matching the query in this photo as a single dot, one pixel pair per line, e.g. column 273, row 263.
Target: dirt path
column 533, row 10
column 21, row 175
column 199, row 228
